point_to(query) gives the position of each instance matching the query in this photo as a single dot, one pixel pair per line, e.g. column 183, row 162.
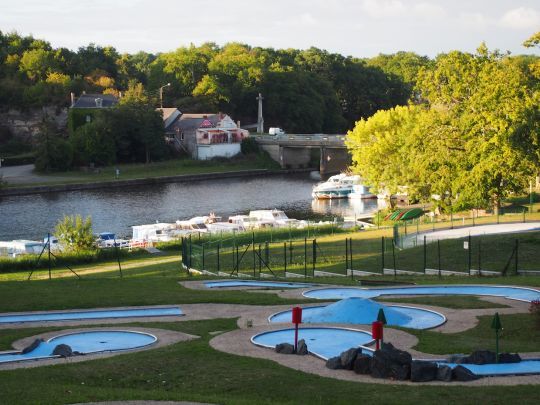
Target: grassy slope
column 519, row 334
column 194, row 371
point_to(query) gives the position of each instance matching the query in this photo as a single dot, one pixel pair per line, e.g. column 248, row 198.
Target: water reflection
column 116, row 210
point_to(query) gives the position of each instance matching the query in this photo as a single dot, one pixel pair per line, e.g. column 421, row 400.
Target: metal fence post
column 425, row 254
column 346, row 256
column 516, row 253
column 190, row 252
column 305, row 257
column 394, row 257
column 351, row 256
column 314, row 255
column 218, row 268
column 285, row 257
column 439, row 256
column 382, row 255
column 469, row 254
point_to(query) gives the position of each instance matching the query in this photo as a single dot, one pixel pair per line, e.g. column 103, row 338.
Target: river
column 116, row 210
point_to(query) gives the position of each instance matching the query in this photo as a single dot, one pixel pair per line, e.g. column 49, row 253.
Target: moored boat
column 338, row 186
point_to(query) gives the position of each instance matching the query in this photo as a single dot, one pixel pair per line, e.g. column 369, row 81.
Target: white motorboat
column 276, row 218
column 338, row 186
column 359, row 191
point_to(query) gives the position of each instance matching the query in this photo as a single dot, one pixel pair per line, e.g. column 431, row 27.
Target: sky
column 360, row 28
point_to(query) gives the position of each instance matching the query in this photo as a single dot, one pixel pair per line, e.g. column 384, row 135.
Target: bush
column 75, row 233
column 249, row 146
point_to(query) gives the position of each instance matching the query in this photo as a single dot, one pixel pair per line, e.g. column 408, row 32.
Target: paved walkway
column 416, row 239
column 25, row 174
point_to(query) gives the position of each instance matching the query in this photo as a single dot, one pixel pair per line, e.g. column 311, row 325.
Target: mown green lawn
column 454, row 301
column 193, row 371
column 519, row 334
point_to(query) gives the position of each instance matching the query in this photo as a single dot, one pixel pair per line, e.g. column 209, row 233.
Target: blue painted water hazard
column 322, row 342
column 101, row 314
column 85, row 343
column 254, row 283
column 364, row 311
column 515, row 293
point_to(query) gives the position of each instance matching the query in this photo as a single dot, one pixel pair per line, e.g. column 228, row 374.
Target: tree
column 474, row 140
column 94, row 143
column 137, row 127
column 532, row 41
column 53, row 152
column 36, row 63
column 75, row 233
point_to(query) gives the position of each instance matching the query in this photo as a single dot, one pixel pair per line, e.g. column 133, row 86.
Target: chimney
column 238, row 123
column 72, row 99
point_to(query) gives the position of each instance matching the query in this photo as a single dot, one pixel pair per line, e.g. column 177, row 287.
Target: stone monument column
column 260, row 120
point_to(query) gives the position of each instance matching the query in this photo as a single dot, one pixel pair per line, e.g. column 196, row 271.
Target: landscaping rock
column 32, row 346
column 285, row 348
column 461, row 373
column 422, row 371
column 395, row 355
column 362, row 364
column 444, row 373
column 384, row 365
column 509, row 358
column 348, row 357
column 62, row 350
column 480, row 357
column 334, row 363
column 302, row 348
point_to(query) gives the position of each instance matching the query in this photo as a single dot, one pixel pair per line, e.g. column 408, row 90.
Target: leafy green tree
column 474, row 141
column 75, row 233
column 53, row 152
column 532, row 41
column 94, row 143
column 36, row 63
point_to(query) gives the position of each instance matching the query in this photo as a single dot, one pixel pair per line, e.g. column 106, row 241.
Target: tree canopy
column 208, row 77
column 472, row 139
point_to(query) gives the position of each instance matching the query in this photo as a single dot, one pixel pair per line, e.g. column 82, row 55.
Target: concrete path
column 25, row 174
column 414, row 240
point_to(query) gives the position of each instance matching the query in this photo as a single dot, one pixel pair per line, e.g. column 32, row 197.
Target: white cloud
column 308, row 19
column 383, row 8
column 477, row 21
column 521, row 18
column 429, row 10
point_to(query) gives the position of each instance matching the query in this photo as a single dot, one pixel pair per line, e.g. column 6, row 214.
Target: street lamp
column 161, row 94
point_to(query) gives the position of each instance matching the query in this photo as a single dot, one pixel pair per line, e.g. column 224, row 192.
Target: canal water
column 116, row 210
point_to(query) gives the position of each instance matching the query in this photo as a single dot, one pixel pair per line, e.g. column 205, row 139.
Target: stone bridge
column 292, row 151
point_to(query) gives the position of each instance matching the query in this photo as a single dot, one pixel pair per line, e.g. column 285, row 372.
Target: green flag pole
column 381, row 318
column 496, row 324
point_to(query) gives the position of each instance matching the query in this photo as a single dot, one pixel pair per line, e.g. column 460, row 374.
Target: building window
column 181, row 136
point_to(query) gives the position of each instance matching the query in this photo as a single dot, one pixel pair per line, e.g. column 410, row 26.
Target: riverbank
column 17, row 191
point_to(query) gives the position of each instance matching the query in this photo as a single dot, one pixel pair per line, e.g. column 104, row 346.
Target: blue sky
column 361, row 28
